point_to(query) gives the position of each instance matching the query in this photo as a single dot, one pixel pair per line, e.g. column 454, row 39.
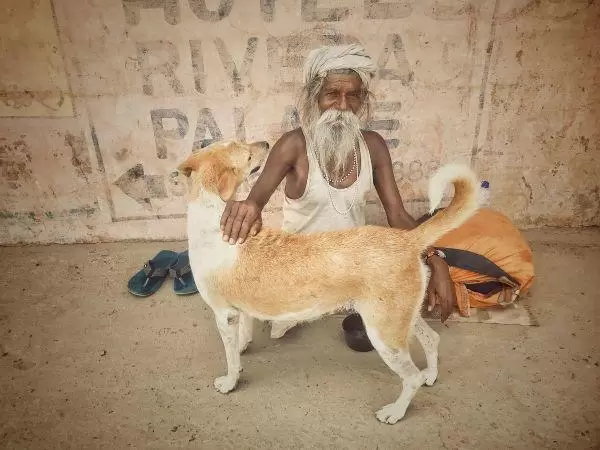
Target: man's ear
column 189, row 165
column 226, row 184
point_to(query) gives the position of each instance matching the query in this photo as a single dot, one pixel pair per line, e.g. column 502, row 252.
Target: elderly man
column 329, row 164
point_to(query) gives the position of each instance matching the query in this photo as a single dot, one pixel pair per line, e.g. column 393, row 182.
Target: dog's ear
column 227, row 184
column 263, row 145
column 189, row 165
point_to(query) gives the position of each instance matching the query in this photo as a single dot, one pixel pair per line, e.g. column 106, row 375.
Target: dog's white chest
column 207, row 256
column 207, row 250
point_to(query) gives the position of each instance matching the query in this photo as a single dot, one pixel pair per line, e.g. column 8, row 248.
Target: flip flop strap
column 154, row 272
column 180, row 272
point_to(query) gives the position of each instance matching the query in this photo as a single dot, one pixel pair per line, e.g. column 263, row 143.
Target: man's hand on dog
column 440, row 290
column 240, row 219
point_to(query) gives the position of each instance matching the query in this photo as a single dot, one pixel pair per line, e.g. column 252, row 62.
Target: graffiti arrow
column 141, row 187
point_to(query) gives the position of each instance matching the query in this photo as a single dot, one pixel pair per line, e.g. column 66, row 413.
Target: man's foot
column 279, row 328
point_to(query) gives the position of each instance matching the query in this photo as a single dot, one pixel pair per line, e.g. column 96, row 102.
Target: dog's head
column 221, row 167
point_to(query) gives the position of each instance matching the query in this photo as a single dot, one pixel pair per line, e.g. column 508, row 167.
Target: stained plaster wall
column 99, row 101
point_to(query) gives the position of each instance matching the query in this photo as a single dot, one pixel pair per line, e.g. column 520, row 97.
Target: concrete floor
column 86, row 365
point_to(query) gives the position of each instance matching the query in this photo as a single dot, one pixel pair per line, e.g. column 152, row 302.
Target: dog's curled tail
column 463, row 205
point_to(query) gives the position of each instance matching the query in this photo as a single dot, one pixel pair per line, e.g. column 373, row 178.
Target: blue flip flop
column 151, row 277
column 183, row 280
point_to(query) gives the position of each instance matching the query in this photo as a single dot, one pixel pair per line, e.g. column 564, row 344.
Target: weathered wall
column 99, row 101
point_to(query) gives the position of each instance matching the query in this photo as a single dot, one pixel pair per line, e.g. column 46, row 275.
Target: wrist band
column 434, row 251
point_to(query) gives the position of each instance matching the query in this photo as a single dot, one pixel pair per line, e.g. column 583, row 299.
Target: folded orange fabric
column 491, row 234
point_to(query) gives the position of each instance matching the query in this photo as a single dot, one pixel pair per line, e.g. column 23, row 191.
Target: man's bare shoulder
column 289, row 147
column 292, row 141
column 377, row 146
column 374, row 141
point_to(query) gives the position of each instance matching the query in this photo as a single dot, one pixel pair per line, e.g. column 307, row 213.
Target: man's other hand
column 441, row 289
column 240, row 219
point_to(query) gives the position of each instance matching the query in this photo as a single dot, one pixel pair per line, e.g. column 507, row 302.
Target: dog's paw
column 226, row 384
column 431, row 375
column 391, row 413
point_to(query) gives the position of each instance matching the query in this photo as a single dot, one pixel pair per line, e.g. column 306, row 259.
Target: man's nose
column 342, row 103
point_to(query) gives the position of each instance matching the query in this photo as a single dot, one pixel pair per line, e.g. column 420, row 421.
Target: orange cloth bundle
column 492, row 235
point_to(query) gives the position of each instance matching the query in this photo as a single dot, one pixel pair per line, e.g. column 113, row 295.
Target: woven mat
column 515, row 314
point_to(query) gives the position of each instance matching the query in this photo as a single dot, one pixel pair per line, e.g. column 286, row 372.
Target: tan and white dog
column 376, row 271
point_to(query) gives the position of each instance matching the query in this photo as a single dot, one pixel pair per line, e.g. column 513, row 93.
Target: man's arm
column 440, row 287
column 240, row 218
column 385, row 183
column 281, row 159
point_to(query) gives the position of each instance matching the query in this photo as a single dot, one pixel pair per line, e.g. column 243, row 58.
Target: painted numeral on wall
column 414, row 170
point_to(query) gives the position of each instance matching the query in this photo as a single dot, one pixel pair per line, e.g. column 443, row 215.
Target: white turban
column 353, row 56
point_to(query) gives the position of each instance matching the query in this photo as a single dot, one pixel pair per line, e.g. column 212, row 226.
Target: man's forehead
column 350, row 81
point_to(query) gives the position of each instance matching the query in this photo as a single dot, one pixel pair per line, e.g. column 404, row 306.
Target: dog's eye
column 249, row 158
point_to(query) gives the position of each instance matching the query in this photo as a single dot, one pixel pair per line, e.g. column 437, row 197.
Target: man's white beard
column 335, row 136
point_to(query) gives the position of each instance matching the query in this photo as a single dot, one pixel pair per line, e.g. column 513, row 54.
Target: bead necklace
column 330, row 180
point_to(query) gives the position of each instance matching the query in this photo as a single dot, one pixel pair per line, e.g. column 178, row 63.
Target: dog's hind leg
column 245, row 331
column 228, row 325
column 398, row 359
column 429, row 340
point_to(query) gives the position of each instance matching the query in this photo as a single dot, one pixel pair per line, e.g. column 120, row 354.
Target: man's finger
column 225, row 215
column 446, row 305
column 449, row 302
column 237, row 225
column 256, row 228
column 432, row 299
column 244, row 229
column 230, row 220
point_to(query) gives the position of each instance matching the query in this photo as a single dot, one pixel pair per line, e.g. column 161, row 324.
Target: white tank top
column 314, row 212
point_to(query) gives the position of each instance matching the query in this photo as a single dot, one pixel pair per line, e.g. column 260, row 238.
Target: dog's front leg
column 228, row 324
column 245, row 331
